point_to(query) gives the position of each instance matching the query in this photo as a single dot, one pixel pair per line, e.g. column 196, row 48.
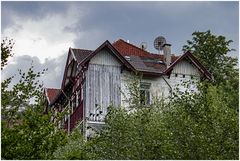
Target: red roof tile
column 140, row 59
column 127, row 49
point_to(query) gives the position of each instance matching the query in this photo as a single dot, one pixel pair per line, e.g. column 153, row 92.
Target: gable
column 185, row 67
column 104, row 57
column 70, row 69
column 193, row 61
column 107, row 46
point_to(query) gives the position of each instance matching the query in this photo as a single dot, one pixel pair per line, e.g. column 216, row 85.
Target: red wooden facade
column 75, row 117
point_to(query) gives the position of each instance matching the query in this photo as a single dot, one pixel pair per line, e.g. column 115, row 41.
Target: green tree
column 26, row 132
column 6, row 51
column 73, row 149
column 197, row 125
column 191, row 126
column 213, row 52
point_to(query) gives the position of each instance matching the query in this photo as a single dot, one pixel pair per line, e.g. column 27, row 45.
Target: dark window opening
column 73, row 103
column 183, row 75
column 176, row 75
column 144, row 93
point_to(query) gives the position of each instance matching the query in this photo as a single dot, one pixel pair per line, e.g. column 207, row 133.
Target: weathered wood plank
column 103, row 84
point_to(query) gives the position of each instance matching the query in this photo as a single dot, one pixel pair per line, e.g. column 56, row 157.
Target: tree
column 27, row 133
column 191, row 126
column 6, row 51
column 74, row 149
column 213, row 52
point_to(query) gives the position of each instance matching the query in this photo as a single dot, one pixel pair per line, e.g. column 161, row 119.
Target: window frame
column 145, row 90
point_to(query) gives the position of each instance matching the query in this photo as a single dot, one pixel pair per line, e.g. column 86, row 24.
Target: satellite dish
column 159, row 42
column 143, row 45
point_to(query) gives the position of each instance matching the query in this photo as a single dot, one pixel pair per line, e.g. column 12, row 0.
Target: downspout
column 168, row 85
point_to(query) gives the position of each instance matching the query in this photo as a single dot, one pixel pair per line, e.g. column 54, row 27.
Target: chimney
column 167, row 54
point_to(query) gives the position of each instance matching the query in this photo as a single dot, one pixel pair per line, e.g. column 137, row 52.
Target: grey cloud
column 51, row 78
column 143, row 21
column 32, row 10
column 137, row 21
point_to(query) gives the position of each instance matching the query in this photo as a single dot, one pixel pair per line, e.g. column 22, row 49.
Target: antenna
column 143, row 45
column 159, row 42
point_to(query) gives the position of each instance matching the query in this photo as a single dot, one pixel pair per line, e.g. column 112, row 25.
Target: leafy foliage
column 6, row 51
column 73, row 149
column 212, row 51
column 26, row 132
column 195, row 126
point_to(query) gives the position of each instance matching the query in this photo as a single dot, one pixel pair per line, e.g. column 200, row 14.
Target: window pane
column 142, row 97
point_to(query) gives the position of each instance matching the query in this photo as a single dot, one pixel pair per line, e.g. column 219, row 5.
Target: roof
column 140, row 59
column 51, row 94
column 81, row 54
column 127, row 49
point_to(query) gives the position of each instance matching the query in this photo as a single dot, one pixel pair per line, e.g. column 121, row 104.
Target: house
column 95, row 79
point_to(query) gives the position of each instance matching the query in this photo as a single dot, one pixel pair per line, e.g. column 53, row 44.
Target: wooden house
column 95, row 79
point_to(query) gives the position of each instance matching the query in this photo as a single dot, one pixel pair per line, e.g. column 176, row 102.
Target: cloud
column 51, row 78
column 46, row 37
column 45, row 30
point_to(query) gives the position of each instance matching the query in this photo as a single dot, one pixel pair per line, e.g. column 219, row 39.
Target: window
column 183, row 75
column 176, row 75
column 145, row 93
column 81, row 93
column 77, row 98
column 73, row 103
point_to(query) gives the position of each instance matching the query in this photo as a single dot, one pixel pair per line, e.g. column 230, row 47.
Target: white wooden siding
column 184, row 67
column 105, row 58
column 102, row 83
column 159, row 88
column 102, row 87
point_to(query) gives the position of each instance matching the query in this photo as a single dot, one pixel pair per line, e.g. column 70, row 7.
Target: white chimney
column 167, row 54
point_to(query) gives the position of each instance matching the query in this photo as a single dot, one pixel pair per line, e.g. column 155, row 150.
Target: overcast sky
column 44, row 31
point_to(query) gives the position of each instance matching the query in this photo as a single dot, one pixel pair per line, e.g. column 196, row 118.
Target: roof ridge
column 82, row 49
